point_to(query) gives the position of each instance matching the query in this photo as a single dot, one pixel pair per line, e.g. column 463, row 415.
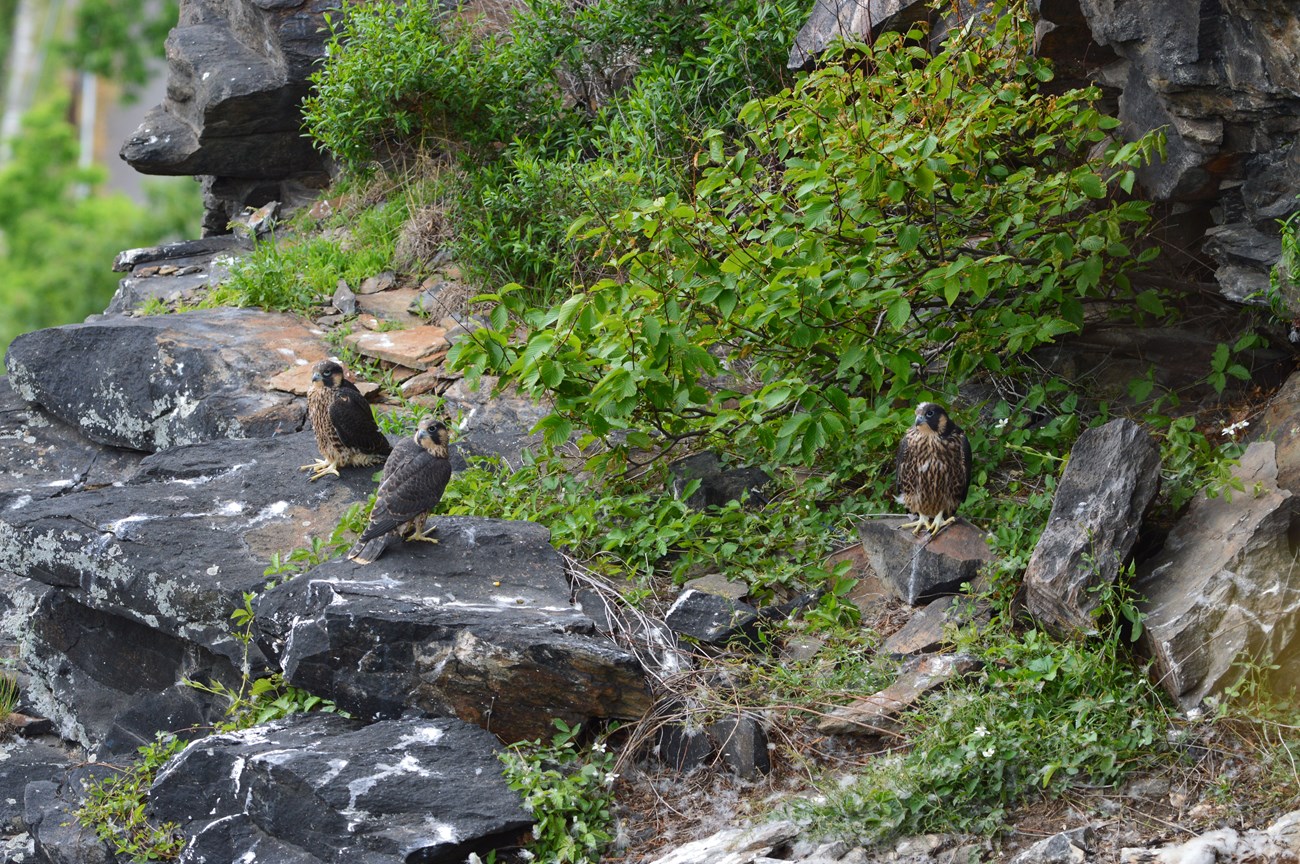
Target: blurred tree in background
column 60, row 227
column 57, row 243
column 116, row 39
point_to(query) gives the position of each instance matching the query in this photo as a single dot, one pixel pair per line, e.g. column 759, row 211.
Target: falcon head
column 432, row 435
column 932, row 418
column 328, row 374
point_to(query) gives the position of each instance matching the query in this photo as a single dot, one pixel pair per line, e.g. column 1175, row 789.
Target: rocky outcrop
column 478, row 626
column 1109, row 482
column 1225, row 587
column 919, row 567
column 165, row 380
column 390, row 791
column 236, row 75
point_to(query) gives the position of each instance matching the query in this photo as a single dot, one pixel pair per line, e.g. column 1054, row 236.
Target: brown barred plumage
column 345, row 427
column 933, row 468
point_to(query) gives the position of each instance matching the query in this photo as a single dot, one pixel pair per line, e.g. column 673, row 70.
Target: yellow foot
column 319, row 469
column 916, row 525
column 423, row 536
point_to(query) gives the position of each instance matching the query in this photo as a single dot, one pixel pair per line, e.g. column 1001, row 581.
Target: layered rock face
column 236, row 76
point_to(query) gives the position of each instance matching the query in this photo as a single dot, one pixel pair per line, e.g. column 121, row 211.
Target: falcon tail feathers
column 367, row 551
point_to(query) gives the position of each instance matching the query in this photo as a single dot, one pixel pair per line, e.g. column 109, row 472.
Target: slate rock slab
column 175, row 548
column 1225, row 586
column 24, row 761
column 327, row 789
column 479, row 626
column 163, row 380
column 1111, row 478
column 878, row 713
column 919, row 567
column 110, row 683
column 43, row 457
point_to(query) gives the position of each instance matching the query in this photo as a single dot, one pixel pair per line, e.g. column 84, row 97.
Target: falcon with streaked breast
column 415, row 476
column 345, row 427
column 933, row 466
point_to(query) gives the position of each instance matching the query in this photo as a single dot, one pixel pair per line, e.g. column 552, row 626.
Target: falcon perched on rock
column 933, row 469
column 415, row 477
column 345, row 427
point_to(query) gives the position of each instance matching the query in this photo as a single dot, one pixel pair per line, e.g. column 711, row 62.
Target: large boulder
column 236, row 76
column 160, row 381
column 479, row 626
column 176, row 547
column 1225, row 588
column 44, row 457
column 1108, row 484
column 321, row 788
column 140, row 579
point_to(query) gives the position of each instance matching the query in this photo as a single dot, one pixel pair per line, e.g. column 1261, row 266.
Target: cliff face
column 1223, row 80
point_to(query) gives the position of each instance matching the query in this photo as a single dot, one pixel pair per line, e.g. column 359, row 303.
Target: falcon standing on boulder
column 933, row 469
column 345, row 427
column 415, row 476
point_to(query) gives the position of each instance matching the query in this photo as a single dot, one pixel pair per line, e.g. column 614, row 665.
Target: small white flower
column 988, row 754
column 980, row 731
column 598, row 747
column 1001, row 424
column 610, row 778
column 1234, row 428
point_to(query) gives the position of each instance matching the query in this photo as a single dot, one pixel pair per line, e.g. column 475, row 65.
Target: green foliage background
column 58, row 238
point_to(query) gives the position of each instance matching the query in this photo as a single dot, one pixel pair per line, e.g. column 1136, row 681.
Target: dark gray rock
column 742, row 744
column 111, row 683
column 709, row 618
column 181, row 250
column 159, row 381
column 44, row 458
column 684, row 748
column 236, row 76
column 176, row 548
column 478, row 626
column 1224, row 588
column 719, row 486
column 174, row 272
column 1109, row 482
column 1223, row 82
column 324, row 788
column 48, row 809
column 344, row 299
column 918, row 567
column 493, row 425
column 1068, row 847
column 26, row 761
column 833, row 20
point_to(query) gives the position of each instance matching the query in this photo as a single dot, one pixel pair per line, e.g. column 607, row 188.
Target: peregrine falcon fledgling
column 933, row 469
column 415, row 477
column 345, row 427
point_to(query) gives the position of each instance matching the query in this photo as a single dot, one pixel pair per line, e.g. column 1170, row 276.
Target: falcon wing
column 354, row 423
column 902, row 468
column 412, row 486
column 964, row 477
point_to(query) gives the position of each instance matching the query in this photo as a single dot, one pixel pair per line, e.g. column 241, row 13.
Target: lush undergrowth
column 684, row 248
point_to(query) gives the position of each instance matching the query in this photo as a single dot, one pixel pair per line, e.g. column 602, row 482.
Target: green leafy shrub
column 883, row 229
column 1042, row 714
column 568, row 791
column 294, row 271
column 114, row 807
